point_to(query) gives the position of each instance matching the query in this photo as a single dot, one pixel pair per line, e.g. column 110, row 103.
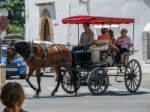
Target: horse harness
column 46, row 52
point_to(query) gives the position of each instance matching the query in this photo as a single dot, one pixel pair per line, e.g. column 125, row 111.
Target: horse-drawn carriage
column 97, row 75
column 82, row 66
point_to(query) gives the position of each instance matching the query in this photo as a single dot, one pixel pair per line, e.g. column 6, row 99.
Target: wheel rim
column 98, row 81
column 67, row 85
column 133, row 76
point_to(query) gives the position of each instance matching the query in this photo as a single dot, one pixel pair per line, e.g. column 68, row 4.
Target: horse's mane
column 21, row 47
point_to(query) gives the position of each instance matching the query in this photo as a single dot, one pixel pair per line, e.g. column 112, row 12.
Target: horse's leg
column 59, row 79
column 73, row 78
column 28, row 77
column 38, row 82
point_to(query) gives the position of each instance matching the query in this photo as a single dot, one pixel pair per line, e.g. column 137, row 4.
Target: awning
column 147, row 28
column 82, row 19
column 44, row 2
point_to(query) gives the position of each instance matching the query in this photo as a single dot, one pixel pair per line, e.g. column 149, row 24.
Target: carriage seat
column 100, row 45
column 125, row 58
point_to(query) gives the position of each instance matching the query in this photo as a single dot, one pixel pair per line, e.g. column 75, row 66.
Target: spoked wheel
column 67, row 85
column 98, row 81
column 133, row 76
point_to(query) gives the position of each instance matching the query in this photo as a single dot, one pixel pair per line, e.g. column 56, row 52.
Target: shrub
column 14, row 29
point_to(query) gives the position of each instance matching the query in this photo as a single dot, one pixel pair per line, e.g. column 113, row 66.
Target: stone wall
column 2, row 75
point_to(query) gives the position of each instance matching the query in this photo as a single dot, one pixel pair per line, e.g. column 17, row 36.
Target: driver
column 86, row 39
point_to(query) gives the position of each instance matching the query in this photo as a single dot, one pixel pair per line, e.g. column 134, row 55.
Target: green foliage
column 15, row 29
column 15, row 9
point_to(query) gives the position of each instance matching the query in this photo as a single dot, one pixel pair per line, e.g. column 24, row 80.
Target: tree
column 15, row 9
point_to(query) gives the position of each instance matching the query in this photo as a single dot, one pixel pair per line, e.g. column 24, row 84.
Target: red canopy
column 82, row 19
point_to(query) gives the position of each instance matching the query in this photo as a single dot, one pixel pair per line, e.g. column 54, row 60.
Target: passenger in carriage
column 112, row 42
column 104, row 34
column 123, row 43
column 86, row 39
column 104, row 40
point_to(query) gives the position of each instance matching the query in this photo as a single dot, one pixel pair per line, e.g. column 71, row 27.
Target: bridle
column 11, row 51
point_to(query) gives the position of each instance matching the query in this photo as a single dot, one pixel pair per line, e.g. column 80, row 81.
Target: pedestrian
column 12, row 97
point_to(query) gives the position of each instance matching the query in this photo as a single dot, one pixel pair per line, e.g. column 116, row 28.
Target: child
column 12, row 97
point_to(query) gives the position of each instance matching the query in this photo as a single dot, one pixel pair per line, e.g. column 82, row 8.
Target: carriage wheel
column 98, row 81
column 133, row 76
column 67, row 85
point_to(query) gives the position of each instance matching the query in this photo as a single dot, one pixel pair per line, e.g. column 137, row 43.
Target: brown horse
column 34, row 55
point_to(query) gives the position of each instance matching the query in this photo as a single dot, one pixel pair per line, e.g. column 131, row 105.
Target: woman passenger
column 112, row 42
column 104, row 34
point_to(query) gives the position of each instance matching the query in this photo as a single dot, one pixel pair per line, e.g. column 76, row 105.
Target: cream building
column 44, row 21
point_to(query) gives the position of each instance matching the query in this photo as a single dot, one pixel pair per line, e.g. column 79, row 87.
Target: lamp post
column 87, row 3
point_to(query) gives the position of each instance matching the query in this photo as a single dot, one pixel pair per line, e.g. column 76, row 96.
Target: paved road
column 116, row 99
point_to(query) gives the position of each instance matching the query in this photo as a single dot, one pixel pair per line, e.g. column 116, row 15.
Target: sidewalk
column 146, row 72
column 113, row 71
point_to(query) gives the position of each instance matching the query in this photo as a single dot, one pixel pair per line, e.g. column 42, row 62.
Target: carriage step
column 111, row 68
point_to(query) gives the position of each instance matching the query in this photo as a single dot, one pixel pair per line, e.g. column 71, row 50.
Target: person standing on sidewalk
column 12, row 97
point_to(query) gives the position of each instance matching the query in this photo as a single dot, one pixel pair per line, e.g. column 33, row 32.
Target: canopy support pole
column 133, row 37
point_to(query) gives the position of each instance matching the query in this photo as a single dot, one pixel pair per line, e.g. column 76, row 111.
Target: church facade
column 44, row 21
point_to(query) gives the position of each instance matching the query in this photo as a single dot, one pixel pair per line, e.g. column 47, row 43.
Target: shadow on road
column 109, row 93
column 124, row 93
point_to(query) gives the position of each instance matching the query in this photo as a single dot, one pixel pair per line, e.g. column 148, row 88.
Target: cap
column 124, row 30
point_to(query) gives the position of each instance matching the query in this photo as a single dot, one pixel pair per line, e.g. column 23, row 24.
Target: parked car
column 18, row 66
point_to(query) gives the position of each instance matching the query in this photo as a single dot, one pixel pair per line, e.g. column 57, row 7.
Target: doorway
column 46, row 31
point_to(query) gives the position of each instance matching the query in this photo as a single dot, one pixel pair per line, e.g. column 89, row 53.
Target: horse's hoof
column 53, row 93
column 36, row 96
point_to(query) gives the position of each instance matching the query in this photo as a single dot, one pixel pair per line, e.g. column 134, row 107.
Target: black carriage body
column 82, row 58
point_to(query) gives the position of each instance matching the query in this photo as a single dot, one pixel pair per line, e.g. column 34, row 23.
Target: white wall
column 32, row 20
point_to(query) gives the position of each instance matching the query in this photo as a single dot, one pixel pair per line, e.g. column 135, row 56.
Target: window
column 146, row 47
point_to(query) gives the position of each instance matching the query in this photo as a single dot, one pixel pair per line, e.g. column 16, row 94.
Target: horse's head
column 10, row 53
